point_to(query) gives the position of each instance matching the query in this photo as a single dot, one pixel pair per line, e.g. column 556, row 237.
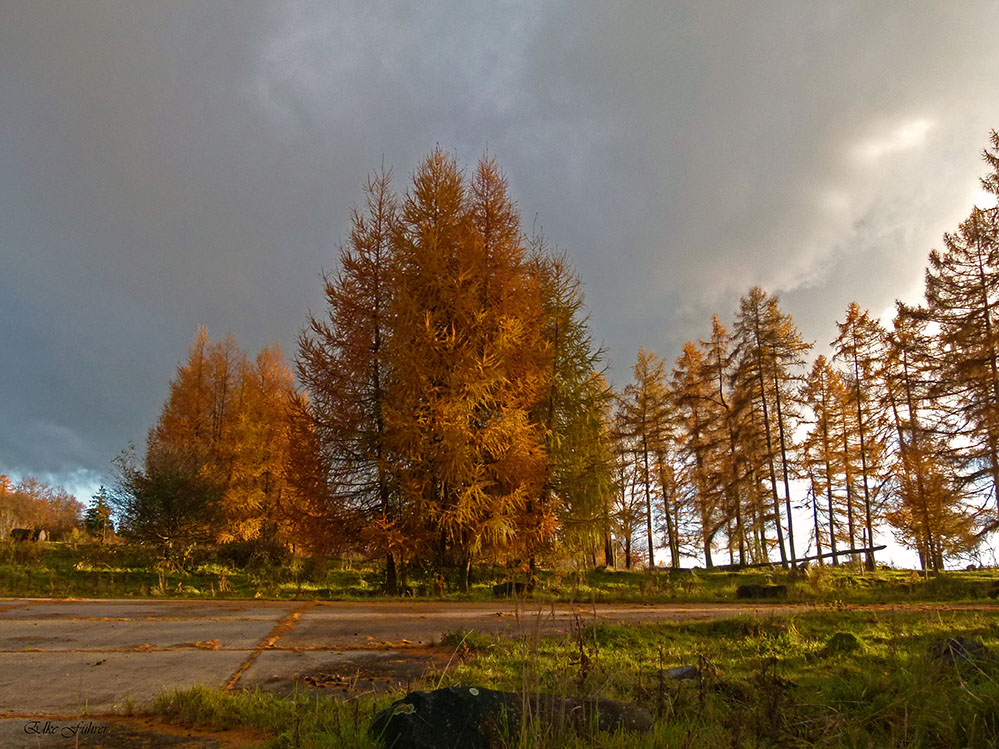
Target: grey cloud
column 168, row 164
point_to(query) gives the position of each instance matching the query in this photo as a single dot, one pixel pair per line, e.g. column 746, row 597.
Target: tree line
column 36, row 505
column 900, row 427
column 450, row 407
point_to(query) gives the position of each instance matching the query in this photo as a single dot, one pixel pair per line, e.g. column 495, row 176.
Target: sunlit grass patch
column 759, row 682
column 772, row 681
column 135, row 570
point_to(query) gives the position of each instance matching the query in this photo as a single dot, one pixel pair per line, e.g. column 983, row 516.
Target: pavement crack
column 284, row 625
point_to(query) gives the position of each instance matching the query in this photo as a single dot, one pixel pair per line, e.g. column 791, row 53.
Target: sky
column 169, row 164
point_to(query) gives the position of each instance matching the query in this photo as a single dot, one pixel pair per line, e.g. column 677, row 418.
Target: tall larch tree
column 928, row 513
column 860, row 346
column 820, row 448
column 730, row 457
column 198, row 432
column 322, row 519
column 962, row 291
column 699, row 414
column 628, row 509
column 223, row 430
column 468, row 365
column 342, row 364
column 252, row 505
column 645, row 412
column 770, row 352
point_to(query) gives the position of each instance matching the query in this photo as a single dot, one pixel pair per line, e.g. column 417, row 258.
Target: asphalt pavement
column 66, row 666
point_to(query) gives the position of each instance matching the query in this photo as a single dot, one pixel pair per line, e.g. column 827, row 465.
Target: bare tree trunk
column 783, row 462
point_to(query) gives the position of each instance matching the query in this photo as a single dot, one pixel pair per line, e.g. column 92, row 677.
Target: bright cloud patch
column 908, row 135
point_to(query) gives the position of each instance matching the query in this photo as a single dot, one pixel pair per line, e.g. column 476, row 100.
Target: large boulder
column 761, row 591
column 480, row 718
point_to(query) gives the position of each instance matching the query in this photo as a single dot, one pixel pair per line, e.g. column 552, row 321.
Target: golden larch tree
column 467, row 362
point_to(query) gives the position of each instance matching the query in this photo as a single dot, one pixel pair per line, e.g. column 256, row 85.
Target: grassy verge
column 816, row 679
column 122, row 571
column 304, row 721
column 826, row 679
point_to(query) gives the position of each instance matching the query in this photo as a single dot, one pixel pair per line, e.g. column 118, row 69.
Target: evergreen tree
column 572, row 408
column 97, row 519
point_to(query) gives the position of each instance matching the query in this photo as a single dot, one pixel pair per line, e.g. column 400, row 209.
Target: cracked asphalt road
column 67, row 657
column 73, row 657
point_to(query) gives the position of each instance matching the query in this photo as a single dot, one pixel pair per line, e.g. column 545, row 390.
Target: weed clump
column 468, row 640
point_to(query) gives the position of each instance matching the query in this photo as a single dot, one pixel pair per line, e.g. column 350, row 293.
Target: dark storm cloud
column 168, row 164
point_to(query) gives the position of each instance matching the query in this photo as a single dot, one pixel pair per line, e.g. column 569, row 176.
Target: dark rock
column 971, row 567
column 480, row 718
column 761, row 591
column 510, row 588
column 958, row 650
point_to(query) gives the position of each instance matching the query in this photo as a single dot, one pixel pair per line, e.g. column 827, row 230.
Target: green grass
column 123, row 570
column 779, row 682
column 303, row 721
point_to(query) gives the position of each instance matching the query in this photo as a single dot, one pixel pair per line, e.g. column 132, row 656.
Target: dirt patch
column 231, row 739
column 366, row 672
column 117, row 732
